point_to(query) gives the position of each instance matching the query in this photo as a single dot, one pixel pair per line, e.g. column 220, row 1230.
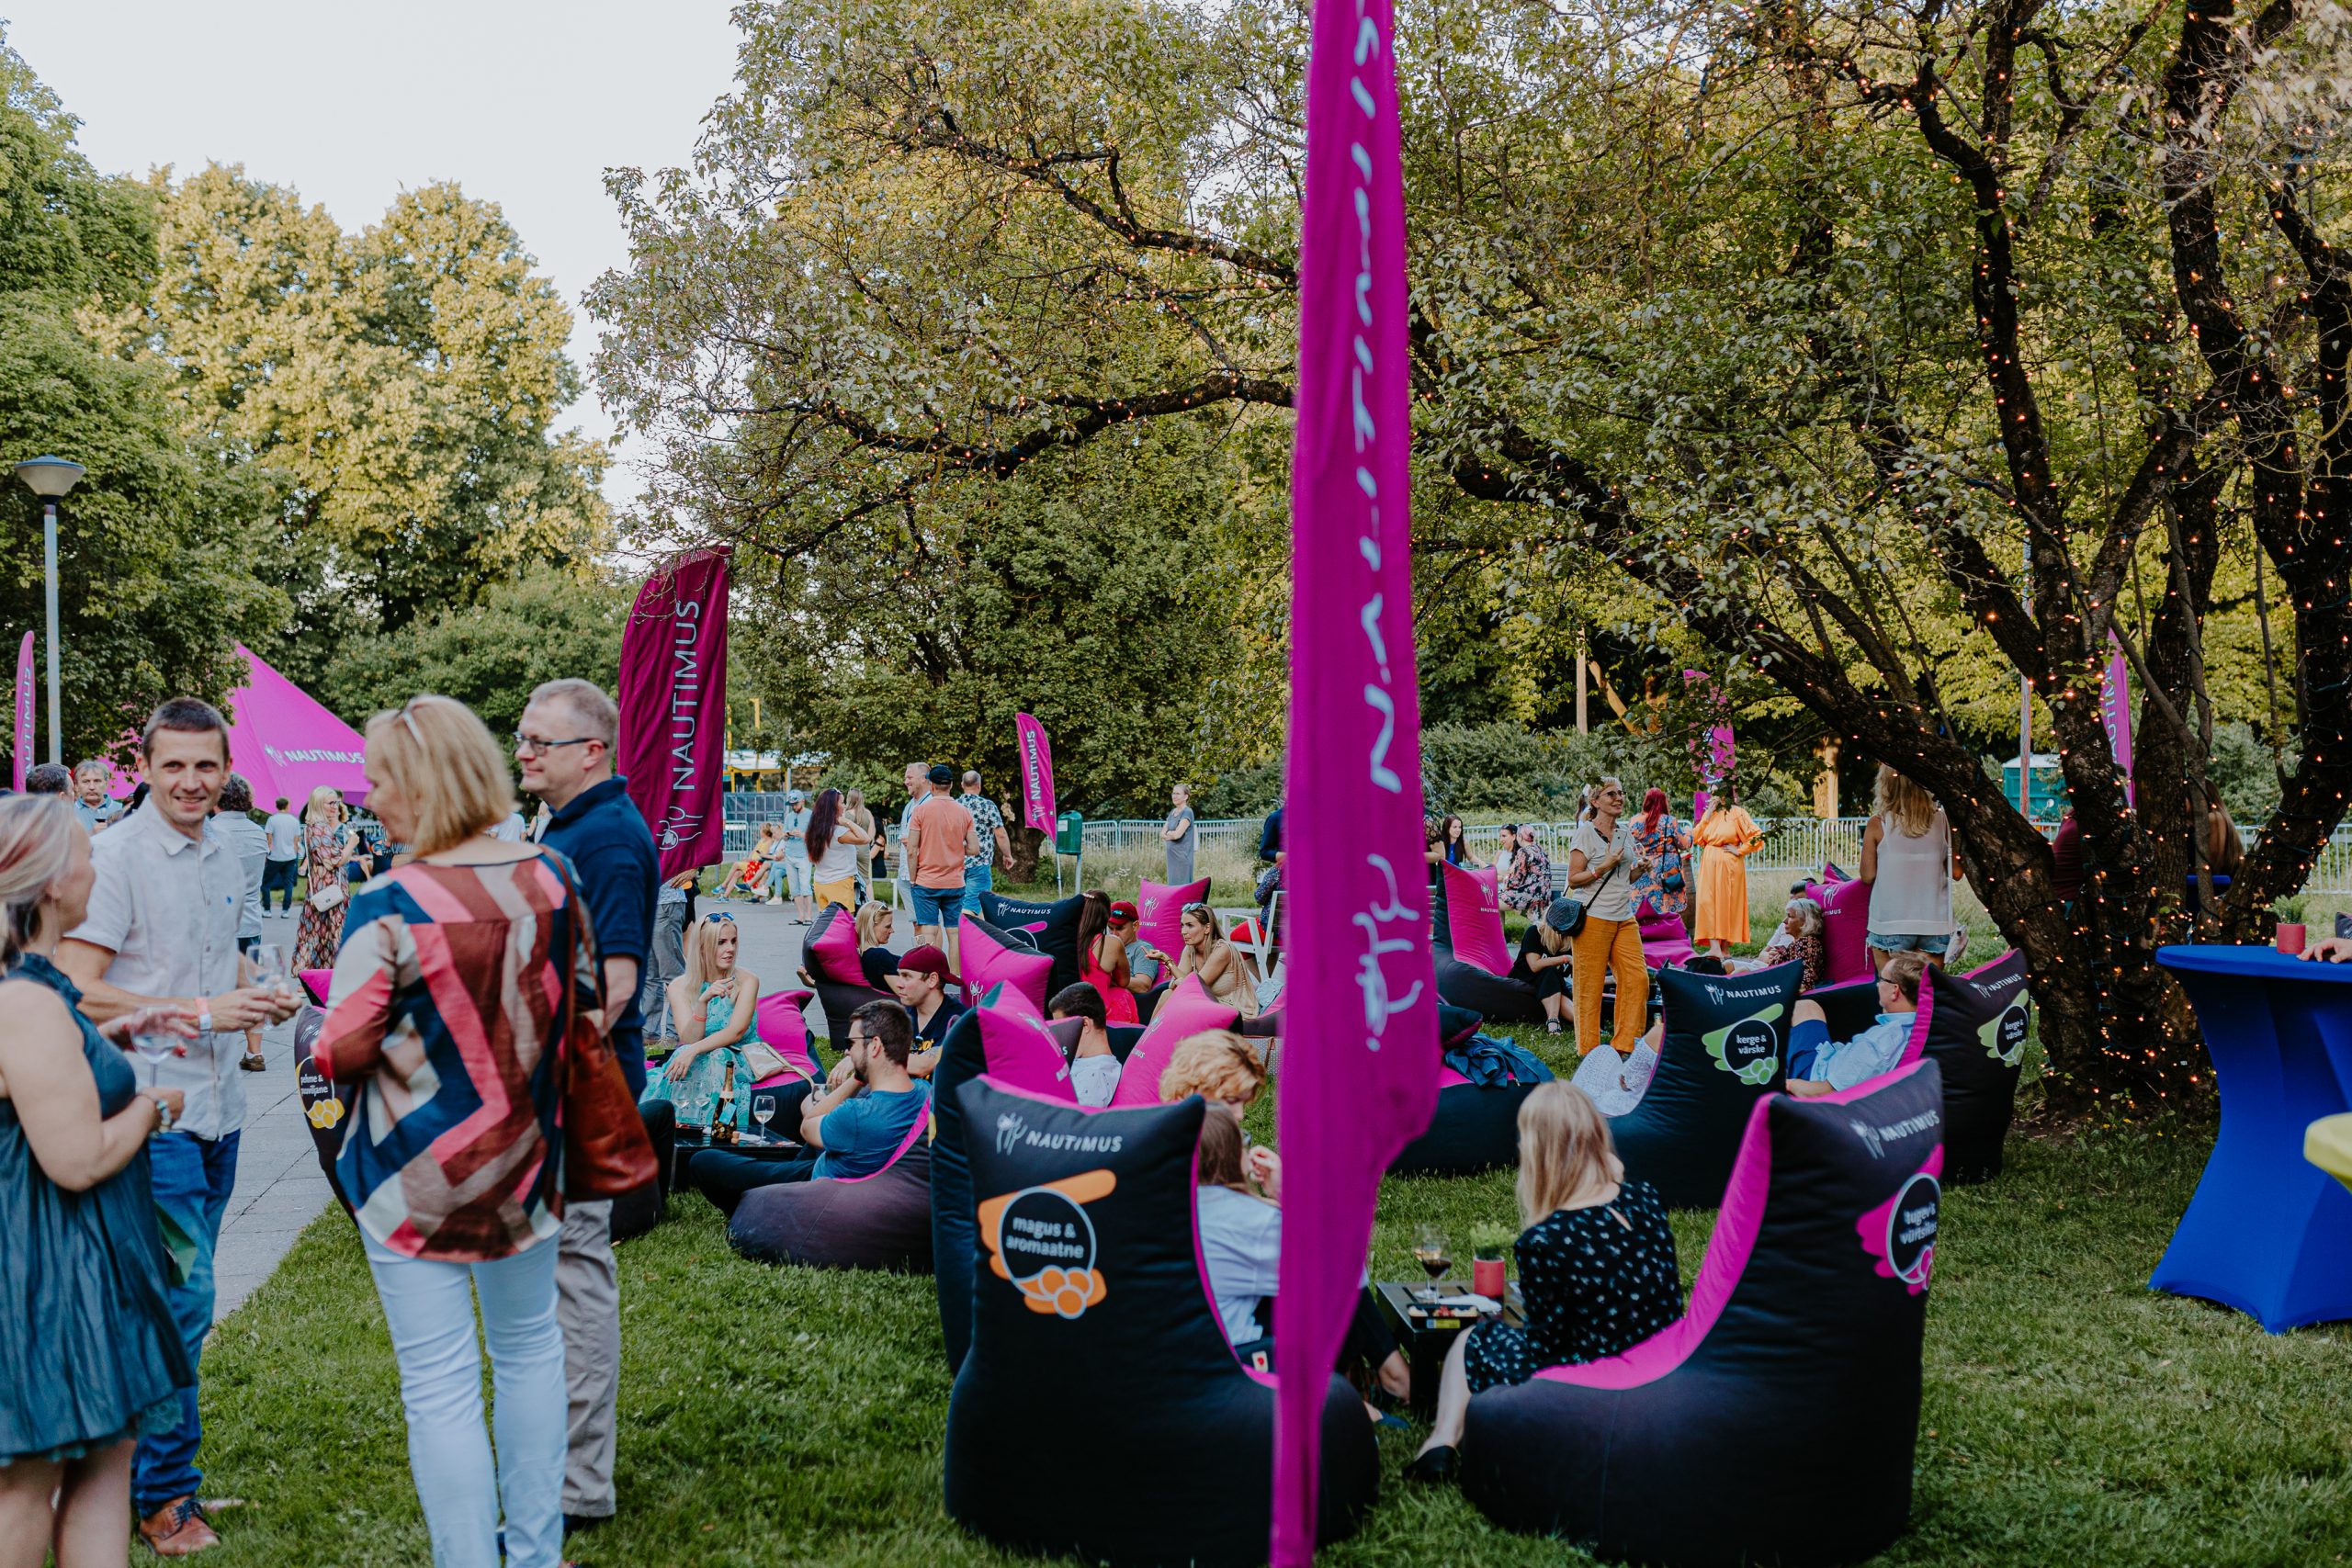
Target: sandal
column 1435, row 1466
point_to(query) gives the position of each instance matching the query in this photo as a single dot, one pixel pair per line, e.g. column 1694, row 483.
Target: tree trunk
column 1028, row 847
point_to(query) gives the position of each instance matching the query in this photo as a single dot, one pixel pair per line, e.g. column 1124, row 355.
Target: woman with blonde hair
column 715, row 1003
column 458, row 973
column 327, row 847
column 1222, row 967
column 1602, row 865
column 1727, row 835
column 875, row 921
column 1218, row 1065
column 1908, row 862
column 1597, row 1269
column 94, row 1357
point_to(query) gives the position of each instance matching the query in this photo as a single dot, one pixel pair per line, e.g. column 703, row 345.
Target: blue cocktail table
column 2268, row 1233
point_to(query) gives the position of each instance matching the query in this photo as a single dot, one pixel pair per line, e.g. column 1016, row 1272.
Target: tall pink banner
column 1360, row 1051
column 674, row 709
column 1036, row 772
column 2115, row 710
column 24, row 709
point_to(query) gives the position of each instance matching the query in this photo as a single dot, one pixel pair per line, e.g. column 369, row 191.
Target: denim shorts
column 1906, row 941
column 936, row 906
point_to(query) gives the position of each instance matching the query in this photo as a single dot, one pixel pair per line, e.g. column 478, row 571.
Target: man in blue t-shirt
column 854, row 1127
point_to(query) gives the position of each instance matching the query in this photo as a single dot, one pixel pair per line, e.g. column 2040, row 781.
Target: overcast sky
column 523, row 102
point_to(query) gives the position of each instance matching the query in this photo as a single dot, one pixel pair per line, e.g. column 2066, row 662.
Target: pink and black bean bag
column 1185, row 1011
column 1486, row 993
column 1053, row 927
column 1094, row 1341
column 989, row 953
column 1473, row 918
column 1775, row 1422
column 882, row 1221
column 1973, row 1027
column 1666, row 939
column 1845, row 926
column 1474, row 1127
column 1159, row 911
column 1005, row 1036
column 830, row 954
column 1726, row 1048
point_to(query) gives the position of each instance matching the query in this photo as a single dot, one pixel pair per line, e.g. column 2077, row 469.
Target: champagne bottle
column 722, row 1128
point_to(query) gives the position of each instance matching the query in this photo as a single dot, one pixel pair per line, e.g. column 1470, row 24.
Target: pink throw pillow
column 987, row 961
column 831, row 948
column 1181, row 1013
column 784, row 1028
column 1473, row 918
column 1021, row 1051
column 1160, row 911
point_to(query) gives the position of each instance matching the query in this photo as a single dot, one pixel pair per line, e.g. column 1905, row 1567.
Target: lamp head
column 49, row 478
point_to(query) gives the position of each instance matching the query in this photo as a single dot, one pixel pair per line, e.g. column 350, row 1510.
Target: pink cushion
column 784, row 1028
column 1473, row 918
column 1160, row 911
column 987, row 961
column 1830, row 874
column 1181, row 1013
column 1845, row 920
column 316, row 981
column 1022, row 1053
column 831, row 948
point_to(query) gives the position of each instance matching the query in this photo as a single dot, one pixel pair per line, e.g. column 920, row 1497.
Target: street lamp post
column 49, row 478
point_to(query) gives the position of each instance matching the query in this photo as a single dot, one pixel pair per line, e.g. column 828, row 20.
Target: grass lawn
column 785, row 1417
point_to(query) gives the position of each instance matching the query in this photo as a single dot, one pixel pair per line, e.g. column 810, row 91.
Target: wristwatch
column 163, row 1117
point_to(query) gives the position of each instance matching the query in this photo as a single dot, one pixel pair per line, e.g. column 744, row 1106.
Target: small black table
column 692, row 1141
column 1424, row 1339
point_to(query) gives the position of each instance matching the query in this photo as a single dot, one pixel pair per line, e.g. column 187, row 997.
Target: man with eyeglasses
column 565, row 746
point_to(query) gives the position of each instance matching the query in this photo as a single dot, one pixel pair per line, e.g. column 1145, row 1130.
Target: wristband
column 163, row 1110
column 204, row 1022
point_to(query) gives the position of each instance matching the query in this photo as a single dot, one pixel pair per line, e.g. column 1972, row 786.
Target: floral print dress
column 1667, row 849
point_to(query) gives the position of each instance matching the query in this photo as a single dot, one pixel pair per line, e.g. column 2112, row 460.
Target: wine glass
column 1435, row 1256
column 154, row 1049
column 701, row 1117
column 270, row 968
column 763, row 1111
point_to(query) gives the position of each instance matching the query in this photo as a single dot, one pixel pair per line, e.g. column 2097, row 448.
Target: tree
column 1789, row 328
column 398, row 387
column 152, row 593
column 545, row 625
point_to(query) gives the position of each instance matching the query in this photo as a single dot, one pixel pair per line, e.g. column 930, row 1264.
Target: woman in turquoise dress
column 90, row 1359
column 716, row 1004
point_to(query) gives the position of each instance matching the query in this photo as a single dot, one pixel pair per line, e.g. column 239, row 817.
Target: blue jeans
column 429, row 1310
column 192, row 1179
column 935, row 906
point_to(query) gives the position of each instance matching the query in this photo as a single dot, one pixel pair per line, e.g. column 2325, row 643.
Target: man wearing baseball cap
column 940, row 834
column 795, row 866
column 1144, row 960
column 920, row 986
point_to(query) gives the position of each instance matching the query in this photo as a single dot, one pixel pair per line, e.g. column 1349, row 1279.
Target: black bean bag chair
column 1973, row 1027
column 1474, row 1128
column 836, row 970
column 1705, row 1444
column 325, row 1103
column 1094, row 1341
column 1499, row 997
column 1725, row 1047
column 1031, row 1059
column 1052, row 927
column 882, row 1221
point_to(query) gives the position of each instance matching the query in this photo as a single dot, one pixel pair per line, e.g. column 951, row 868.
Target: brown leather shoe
column 254, row 1062
column 178, row 1529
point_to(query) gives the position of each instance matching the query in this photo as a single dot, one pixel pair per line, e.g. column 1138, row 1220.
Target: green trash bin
column 1070, row 834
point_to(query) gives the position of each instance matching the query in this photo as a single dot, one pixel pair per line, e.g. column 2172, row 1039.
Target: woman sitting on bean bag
column 715, row 1003
column 1798, row 940
column 1597, row 1269
column 1819, row 1064
column 1545, row 954
column 1102, row 958
column 1218, row 1065
column 1222, row 967
column 874, row 921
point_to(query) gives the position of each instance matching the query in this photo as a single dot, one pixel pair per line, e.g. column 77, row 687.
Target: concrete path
column 280, row 1188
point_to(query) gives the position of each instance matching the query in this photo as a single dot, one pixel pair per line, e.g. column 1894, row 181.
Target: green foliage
column 543, row 627
column 155, row 582
column 2246, row 771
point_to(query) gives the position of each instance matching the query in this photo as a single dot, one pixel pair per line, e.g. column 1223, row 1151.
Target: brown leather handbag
column 606, row 1151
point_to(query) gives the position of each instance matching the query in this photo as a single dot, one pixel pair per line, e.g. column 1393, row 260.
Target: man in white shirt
column 284, row 831
column 90, row 802
column 162, row 929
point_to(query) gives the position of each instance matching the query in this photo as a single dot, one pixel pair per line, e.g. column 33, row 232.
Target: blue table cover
column 2268, row 1233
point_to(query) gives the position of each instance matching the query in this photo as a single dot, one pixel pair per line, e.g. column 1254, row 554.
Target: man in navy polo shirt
column 565, row 745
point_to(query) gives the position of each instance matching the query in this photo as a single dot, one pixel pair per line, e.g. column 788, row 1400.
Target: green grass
column 785, row 1417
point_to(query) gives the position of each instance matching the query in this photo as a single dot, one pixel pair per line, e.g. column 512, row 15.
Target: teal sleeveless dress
column 704, row 1079
column 88, row 1353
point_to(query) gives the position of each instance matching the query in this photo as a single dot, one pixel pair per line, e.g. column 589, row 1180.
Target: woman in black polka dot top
column 1597, row 1269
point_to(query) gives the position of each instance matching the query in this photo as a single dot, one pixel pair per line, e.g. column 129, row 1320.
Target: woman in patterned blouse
column 1597, row 1269
column 449, row 1000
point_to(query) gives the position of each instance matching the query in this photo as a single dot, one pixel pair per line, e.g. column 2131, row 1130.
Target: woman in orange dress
column 1727, row 834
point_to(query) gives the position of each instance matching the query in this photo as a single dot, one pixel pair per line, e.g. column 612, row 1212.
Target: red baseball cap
column 1125, row 911
column 925, row 959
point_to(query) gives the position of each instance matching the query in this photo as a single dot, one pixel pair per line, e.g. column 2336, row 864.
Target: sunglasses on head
column 714, row 920
column 1196, row 908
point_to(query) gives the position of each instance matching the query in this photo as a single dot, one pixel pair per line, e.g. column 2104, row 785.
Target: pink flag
column 1036, row 772
column 24, row 709
column 2115, row 710
column 1360, row 1059
column 674, row 709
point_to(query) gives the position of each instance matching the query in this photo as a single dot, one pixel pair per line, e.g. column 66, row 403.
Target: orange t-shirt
column 941, row 830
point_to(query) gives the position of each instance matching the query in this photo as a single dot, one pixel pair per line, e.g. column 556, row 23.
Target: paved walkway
column 280, row 1188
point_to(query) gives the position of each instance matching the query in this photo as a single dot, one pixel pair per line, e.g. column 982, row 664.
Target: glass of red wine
column 1435, row 1256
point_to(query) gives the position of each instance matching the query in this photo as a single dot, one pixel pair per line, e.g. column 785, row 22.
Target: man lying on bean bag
column 855, row 1128
column 1819, row 1064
